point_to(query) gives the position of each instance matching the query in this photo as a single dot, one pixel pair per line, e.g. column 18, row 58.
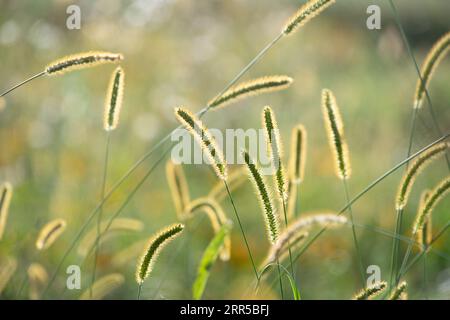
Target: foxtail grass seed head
column 153, row 248
column 304, row 223
column 298, row 154
column 178, row 188
column 371, row 292
column 81, row 61
column 251, row 88
column 399, row 293
column 276, row 150
column 103, row 286
column 308, row 11
column 432, row 60
column 5, row 200
column 414, row 170
column 49, row 233
column 433, row 199
column 336, row 138
column 8, row 266
column 281, row 247
column 114, row 99
column 204, row 139
column 37, row 279
column 270, row 216
column 217, row 218
column 425, row 234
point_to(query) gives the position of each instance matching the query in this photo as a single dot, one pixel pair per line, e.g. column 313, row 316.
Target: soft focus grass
column 183, row 53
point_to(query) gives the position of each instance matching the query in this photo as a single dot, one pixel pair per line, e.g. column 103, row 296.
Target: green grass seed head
column 414, row 170
column 216, row 217
column 298, row 154
column 439, row 50
column 153, row 248
column 114, row 99
column 336, row 138
column 306, row 12
column 371, row 292
column 270, row 216
column 433, row 199
column 276, row 150
column 49, row 233
column 399, row 293
column 251, row 88
column 179, row 188
column 5, row 200
column 81, row 61
column 425, row 234
column 204, row 139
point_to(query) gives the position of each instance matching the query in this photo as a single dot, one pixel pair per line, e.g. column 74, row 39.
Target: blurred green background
column 183, row 53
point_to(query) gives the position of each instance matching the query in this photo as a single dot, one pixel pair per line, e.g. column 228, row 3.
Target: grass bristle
column 153, row 248
column 49, row 233
column 276, row 150
column 5, row 200
column 432, row 60
column 336, row 138
column 81, row 61
column 103, row 286
column 217, row 218
column 432, row 200
column 306, row 12
column 251, row 88
column 179, row 188
column 270, row 216
column 204, row 139
column 399, row 293
column 298, row 154
column 371, row 291
column 114, row 98
column 414, row 170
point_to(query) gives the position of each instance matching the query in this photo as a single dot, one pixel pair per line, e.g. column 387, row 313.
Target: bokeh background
column 183, row 53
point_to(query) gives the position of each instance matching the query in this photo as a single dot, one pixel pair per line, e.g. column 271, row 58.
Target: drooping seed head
column 425, row 234
column 49, row 233
column 204, row 139
column 251, row 88
column 336, row 138
column 5, row 200
column 217, row 219
column 298, row 154
column 306, row 12
column 270, row 216
column 399, row 293
column 153, row 248
column 278, row 251
column 371, row 291
column 275, row 150
column 103, row 286
column 114, row 99
column 433, row 199
column 178, row 187
column 81, row 61
column 439, row 50
column 414, row 170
